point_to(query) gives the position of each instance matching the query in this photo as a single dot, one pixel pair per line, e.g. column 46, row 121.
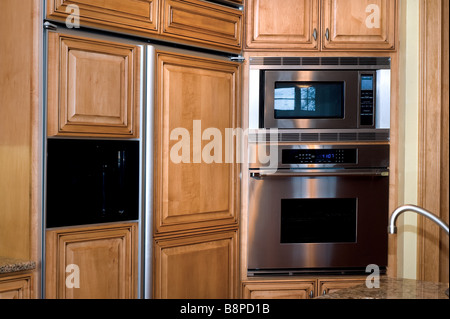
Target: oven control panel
column 319, row 156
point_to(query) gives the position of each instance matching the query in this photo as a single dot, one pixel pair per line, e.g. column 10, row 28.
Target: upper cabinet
column 287, row 24
column 297, row 25
column 93, row 87
column 118, row 15
column 192, row 22
column 358, row 25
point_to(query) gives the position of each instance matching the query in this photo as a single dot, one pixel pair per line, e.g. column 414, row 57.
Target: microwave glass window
column 303, row 100
column 318, row 220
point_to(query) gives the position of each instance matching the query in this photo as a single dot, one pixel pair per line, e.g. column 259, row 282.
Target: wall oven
column 324, row 209
column 319, row 93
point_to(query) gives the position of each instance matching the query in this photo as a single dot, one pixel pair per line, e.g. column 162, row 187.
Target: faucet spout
column 392, row 229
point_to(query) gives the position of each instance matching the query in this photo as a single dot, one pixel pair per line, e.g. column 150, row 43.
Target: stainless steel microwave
column 319, row 93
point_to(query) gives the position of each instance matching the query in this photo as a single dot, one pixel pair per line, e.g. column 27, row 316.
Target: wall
column 409, row 113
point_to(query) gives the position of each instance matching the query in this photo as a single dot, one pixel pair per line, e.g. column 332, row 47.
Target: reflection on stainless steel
column 419, row 210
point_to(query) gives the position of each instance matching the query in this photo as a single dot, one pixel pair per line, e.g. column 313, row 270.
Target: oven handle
column 384, row 172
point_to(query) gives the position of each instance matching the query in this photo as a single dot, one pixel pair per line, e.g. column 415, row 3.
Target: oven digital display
column 319, row 156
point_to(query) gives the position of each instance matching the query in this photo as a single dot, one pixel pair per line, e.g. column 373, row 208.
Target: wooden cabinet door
column 196, row 186
column 197, row 267
column 206, row 23
column 327, row 286
column 359, row 25
column 97, row 262
column 93, row 87
column 118, row 15
column 282, row 25
column 279, row 289
column 15, row 287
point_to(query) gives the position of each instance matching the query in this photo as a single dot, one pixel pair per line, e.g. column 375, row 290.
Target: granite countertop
column 11, row 265
column 393, row 288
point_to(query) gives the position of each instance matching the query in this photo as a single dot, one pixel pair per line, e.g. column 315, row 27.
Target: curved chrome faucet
column 393, row 229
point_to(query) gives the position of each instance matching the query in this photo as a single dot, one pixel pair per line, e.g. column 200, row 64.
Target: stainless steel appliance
column 319, row 93
column 325, row 209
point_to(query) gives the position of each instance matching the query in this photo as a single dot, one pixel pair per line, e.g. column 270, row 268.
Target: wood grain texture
column 105, row 254
column 93, row 87
column 286, row 25
column 348, row 30
column 197, row 267
column 433, row 139
column 195, row 194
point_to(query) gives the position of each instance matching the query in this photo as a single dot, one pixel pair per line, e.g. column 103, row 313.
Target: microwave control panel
column 367, row 100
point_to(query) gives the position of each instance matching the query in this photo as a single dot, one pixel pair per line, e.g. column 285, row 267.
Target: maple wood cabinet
column 196, row 189
column 195, row 186
column 358, row 25
column 345, row 25
column 201, row 266
column 296, row 288
column 15, row 286
column 86, row 262
column 93, row 87
column 192, row 22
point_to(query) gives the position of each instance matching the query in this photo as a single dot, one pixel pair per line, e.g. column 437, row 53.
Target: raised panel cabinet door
column 15, row 287
column 329, row 286
column 93, row 87
column 359, row 25
column 282, row 25
column 116, row 15
column 95, row 262
column 196, row 174
column 278, row 290
column 202, row 22
column 197, row 267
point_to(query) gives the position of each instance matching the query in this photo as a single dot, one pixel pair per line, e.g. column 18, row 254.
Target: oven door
column 311, row 99
column 318, row 221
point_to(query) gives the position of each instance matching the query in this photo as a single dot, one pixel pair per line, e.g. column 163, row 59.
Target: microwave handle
column 323, row 172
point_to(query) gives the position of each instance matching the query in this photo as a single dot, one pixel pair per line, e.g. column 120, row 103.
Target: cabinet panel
column 279, row 290
column 287, row 24
column 359, row 25
column 202, row 266
column 130, row 15
column 203, row 22
column 105, row 259
column 15, row 287
column 329, row 286
column 196, row 186
column 93, row 87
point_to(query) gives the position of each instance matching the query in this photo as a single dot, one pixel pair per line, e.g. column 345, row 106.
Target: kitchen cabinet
column 191, row 22
column 298, row 289
column 118, row 15
column 15, row 286
column 200, row 266
column 282, row 25
column 97, row 261
column 295, row 288
column 358, row 25
column 203, row 22
column 196, row 186
column 93, row 87
column 293, row 25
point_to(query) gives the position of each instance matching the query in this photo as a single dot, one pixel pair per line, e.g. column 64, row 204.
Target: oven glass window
column 318, row 220
column 303, row 100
